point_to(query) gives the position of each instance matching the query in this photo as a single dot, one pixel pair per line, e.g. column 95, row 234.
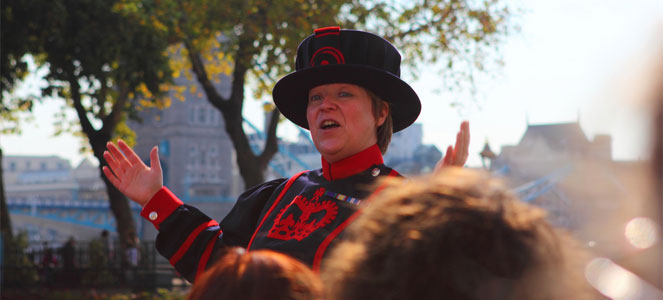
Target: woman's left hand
column 457, row 155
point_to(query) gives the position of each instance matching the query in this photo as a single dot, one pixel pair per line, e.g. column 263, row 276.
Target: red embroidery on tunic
column 310, row 217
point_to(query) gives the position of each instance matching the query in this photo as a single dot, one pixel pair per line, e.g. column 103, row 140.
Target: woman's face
column 341, row 120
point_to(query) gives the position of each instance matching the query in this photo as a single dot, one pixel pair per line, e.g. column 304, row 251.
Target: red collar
column 352, row 165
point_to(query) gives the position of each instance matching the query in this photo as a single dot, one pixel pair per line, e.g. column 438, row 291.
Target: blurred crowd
column 100, row 262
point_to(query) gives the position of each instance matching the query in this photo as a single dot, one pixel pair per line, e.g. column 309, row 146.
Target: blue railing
column 95, row 214
column 533, row 189
column 282, row 149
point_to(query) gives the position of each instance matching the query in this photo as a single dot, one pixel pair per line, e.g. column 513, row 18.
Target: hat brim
column 291, row 92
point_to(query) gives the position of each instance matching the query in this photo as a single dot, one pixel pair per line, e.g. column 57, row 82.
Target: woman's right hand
column 130, row 175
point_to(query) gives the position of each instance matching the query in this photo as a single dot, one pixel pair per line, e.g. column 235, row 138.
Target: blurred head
column 657, row 151
column 344, row 119
column 255, row 275
column 459, row 235
column 132, row 239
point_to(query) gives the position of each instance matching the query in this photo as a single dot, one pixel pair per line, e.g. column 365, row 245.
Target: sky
column 572, row 60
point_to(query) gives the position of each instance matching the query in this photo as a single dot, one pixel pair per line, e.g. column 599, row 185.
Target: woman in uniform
column 347, row 91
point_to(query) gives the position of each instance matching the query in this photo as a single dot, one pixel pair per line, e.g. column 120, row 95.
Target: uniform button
column 375, row 172
column 153, row 216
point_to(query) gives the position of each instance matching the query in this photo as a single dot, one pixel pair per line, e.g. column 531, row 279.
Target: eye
column 314, row 98
column 344, row 94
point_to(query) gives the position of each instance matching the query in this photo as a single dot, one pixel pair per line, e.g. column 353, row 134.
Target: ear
column 382, row 115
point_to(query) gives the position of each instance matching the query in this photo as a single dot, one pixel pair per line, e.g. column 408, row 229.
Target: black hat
column 332, row 55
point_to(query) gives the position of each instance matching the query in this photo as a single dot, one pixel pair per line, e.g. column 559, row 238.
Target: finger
column 111, row 177
column 112, row 163
column 448, row 156
column 458, row 149
column 465, row 132
column 461, row 149
column 438, row 165
column 130, row 154
column 118, row 156
column 155, row 164
column 466, row 129
column 462, row 144
column 465, row 126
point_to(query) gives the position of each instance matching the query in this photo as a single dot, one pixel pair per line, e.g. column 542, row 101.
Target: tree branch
column 201, row 74
column 80, row 110
column 112, row 119
column 101, row 98
column 271, row 144
column 242, row 57
column 422, row 27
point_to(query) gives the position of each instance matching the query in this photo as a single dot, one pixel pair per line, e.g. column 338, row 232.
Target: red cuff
column 162, row 204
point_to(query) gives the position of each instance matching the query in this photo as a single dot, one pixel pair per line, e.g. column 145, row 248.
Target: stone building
column 408, row 154
column 49, row 181
column 583, row 189
column 545, row 147
column 197, row 156
column 90, row 185
column 38, row 178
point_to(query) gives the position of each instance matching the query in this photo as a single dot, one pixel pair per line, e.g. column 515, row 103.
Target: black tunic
column 301, row 216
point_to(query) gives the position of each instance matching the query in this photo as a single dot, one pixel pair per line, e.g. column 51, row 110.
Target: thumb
column 155, row 164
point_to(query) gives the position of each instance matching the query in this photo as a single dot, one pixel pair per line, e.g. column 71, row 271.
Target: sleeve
column 188, row 238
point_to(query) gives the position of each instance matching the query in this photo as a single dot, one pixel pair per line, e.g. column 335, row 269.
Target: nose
column 327, row 103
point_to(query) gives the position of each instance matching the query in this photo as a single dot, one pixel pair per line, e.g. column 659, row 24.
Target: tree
column 258, row 39
column 102, row 63
column 14, row 44
column 5, row 224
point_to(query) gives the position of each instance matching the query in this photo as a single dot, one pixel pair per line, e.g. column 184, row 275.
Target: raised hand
column 130, row 175
column 457, row 155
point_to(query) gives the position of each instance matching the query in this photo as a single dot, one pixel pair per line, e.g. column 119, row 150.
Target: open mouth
column 327, row 124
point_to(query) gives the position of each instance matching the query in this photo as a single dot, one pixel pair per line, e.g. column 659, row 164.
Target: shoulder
column 270, row 187
column 266, row 187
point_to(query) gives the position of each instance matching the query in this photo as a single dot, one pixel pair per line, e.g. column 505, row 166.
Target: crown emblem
column 302, row 217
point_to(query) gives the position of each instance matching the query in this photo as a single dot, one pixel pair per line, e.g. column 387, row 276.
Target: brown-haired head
column 457, row 235
column 256, row 275
column 386, row 130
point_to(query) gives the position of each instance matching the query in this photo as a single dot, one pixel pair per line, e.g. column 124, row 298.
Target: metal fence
column 90, row 264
